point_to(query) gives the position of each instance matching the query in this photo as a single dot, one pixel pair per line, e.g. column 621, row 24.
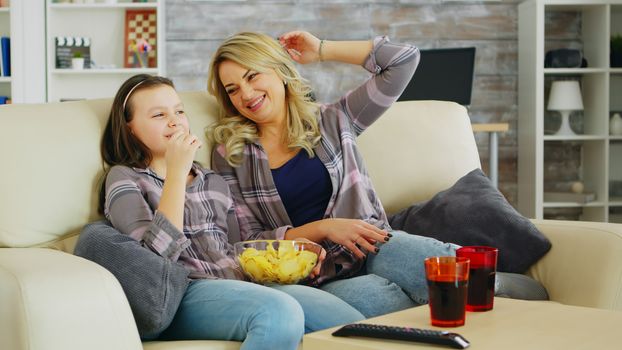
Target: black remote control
column 453, row 340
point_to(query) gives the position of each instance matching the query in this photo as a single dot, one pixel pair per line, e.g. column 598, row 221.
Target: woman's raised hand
column 356, row 235
column 301, row 46
column 180, row 151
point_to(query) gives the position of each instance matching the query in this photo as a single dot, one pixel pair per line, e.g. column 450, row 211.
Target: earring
column 285, row 83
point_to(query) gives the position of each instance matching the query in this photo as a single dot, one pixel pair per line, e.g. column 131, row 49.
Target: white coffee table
column 512, row 324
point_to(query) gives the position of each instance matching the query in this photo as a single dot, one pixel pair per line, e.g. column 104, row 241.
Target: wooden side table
column 493, row 146
column 511, row 325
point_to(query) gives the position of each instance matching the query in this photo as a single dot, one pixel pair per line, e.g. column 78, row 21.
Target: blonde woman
column 294, row 168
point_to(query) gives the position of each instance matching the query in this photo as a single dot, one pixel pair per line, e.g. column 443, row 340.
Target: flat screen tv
column 443, row 74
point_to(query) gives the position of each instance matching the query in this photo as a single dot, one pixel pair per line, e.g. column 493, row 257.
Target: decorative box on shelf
column 68, row 47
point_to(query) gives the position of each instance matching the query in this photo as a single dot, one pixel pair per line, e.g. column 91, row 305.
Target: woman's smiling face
column 258, row 96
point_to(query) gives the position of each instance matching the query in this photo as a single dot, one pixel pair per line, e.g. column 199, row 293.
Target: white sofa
column 51, row 299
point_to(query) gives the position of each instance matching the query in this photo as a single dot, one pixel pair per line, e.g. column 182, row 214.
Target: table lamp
column 565, row 97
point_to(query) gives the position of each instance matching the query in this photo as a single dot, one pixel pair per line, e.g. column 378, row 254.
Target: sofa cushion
column 153, row 285
column 474, row 212
column 416, row 149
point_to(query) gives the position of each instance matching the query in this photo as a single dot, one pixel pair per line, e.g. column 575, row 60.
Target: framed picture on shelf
column 140, row 38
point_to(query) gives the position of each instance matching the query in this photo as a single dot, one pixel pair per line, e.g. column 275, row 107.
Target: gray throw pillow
column 153, row 285
column 474, row 212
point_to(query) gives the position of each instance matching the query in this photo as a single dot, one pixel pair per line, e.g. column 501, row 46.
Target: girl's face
column 157, row 114
column 257, row 96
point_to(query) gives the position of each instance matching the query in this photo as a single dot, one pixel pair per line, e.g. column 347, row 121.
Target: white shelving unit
column 601, row 87
column 6, row 86
column 28, row 65
column 104, row 24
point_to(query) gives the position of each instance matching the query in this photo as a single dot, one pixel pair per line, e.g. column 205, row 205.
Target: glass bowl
column 277, row 261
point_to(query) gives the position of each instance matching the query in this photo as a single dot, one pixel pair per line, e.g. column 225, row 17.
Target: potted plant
column 616, row 51
column 77, row 62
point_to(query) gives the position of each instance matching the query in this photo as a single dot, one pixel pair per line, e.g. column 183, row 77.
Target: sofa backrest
column 51, row 165
column 416, row 149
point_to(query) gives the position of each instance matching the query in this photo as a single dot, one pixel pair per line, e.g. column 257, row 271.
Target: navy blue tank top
column 305, row 188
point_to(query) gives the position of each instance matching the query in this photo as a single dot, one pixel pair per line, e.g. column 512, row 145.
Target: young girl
column 155, row 193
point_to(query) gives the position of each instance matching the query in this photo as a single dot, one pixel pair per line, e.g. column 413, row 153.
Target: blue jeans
column 261, row 317
column 394, row 279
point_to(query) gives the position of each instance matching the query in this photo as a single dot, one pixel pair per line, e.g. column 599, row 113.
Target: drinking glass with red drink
column 447, row 278
column 482, row 273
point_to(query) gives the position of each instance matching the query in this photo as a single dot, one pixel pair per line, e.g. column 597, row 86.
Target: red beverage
column 481, row 289
column 481, row 276
column 448, row 298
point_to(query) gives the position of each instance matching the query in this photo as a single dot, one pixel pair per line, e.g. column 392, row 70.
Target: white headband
column 129, row 93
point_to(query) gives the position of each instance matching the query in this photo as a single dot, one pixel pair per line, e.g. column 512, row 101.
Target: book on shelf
column 69, row 46
column 1, row 62
column 5, row 47
column 571, row 197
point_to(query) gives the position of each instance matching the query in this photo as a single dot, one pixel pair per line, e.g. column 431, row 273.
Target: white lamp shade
column 565, row 96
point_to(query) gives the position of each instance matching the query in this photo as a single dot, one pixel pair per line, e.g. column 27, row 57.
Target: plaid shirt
column 259, row 208
column 204, row 248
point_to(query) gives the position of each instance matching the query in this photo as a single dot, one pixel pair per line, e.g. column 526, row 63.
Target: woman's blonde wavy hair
column 261, row 53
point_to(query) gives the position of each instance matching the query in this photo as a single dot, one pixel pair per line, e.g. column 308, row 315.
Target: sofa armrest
column 584, row 265
column 54, row 300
